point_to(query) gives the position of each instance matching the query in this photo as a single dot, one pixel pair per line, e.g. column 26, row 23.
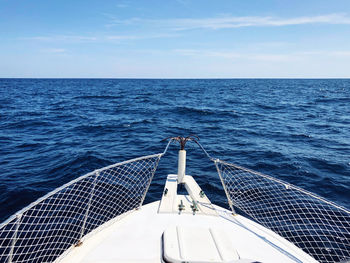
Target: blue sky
column 175, row 39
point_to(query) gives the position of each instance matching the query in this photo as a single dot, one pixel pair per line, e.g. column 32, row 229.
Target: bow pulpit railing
column 44, row 230
column 319, row 227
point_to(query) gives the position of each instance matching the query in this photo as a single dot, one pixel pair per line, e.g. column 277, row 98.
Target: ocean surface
column 54, row 130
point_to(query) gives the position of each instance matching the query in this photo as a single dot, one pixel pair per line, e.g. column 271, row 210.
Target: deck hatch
column 197, row 244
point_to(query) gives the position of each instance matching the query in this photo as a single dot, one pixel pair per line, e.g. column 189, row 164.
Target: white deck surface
column 137, row 238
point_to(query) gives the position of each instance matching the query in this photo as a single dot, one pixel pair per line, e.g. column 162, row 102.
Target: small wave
column 186, row 109
column 89, row 97
column 319, row 125
column 301, row 135
column 332, row 100
column 107, row 127
column 270, row 106
column 28, row 124
column 30, row 146
column 136, row 122
column 206, row 111
column 327, row 166
column 96, row 129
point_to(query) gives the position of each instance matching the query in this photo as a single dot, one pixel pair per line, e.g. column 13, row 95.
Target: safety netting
column 317, row 226
column 45, row 229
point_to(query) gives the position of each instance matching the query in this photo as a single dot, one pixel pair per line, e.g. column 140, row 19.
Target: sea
column 55, row 130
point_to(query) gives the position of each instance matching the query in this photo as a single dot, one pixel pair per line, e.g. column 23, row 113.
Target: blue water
column 54, row 130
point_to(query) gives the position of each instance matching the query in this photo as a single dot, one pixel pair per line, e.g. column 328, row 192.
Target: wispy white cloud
column 232, row 55
column 208, row 53
column 234, row 21
column 135, row 37
column 329, row 53
column 62, row 38
column 123, row 37
column 183, row 2
column 122, row 5
column 104, row 38
column 272, row 57
column 130, row 21
column 340, row 53
column 55, row 50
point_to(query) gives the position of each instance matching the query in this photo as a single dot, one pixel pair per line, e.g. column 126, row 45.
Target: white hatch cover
column 195, row 244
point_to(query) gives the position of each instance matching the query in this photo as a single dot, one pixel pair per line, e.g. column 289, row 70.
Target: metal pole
column 149, row 181
column 14, row 238
column 89, row 204
column 223, row 185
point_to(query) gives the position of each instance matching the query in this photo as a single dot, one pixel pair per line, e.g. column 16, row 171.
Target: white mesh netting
column 42, row 231
column 317, row 226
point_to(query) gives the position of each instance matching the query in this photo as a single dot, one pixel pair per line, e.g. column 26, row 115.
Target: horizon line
column 155, row 78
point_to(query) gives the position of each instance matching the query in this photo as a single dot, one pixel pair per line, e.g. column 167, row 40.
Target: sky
column 175, row 39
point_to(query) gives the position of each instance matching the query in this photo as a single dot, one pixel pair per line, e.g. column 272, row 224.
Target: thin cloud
column 122, row 5
column 136, row 37
column 121, row 37
column 55, row 50
column 183, row 2
column 101, row 39
column 340, row 53
column 235, row 22
column 62, row 38
column 334, row 53
column 233, row 55
column 208, row 53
